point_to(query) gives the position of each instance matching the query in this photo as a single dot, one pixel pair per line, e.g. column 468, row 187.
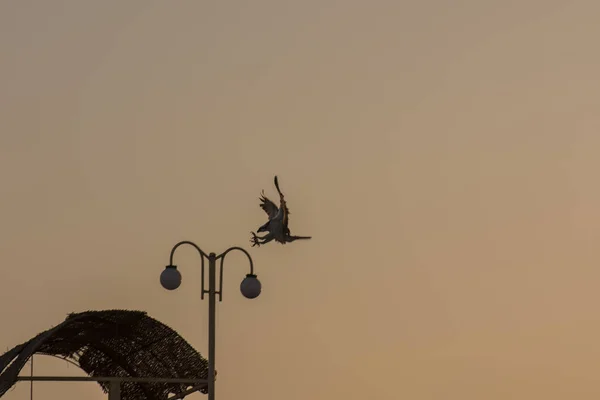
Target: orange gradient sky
column 442, row 154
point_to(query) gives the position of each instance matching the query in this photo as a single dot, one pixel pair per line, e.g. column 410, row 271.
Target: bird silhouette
column 277, row 226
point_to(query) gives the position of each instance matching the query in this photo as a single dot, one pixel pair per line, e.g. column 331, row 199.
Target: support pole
column 114, row 391
column 212, row 302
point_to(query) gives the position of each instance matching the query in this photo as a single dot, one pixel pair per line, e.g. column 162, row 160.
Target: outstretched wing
column 268, row 206
column 283, row 206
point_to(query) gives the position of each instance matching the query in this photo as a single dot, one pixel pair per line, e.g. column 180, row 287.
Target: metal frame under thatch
column 114, row 343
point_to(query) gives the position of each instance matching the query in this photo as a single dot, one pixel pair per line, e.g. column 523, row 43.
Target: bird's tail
column 292, row 238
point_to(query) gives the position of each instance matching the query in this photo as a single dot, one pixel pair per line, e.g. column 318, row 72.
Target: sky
column 443, row 156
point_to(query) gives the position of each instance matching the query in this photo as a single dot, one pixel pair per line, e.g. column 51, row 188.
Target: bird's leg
column 257, row 240
column 255, row 236
column 267, row 239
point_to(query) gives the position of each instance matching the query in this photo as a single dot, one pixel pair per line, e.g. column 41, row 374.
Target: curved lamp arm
column 194, row 245
column 202, row 256
column 222, row 257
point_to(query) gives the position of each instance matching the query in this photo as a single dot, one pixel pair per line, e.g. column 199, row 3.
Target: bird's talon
column 254, row 240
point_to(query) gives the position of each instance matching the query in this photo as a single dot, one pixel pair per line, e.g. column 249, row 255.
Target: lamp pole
column 250, row 287
column 212, row 310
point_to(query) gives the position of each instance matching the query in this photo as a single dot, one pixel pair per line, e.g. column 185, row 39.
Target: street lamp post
column 250, row 287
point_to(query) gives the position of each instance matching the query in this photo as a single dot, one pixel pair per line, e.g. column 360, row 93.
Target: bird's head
column 264, row 227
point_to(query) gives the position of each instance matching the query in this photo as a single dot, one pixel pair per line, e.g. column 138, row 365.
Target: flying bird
column 277, row 226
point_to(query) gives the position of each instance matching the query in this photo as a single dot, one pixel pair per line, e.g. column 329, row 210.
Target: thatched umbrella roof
column 114, row 343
